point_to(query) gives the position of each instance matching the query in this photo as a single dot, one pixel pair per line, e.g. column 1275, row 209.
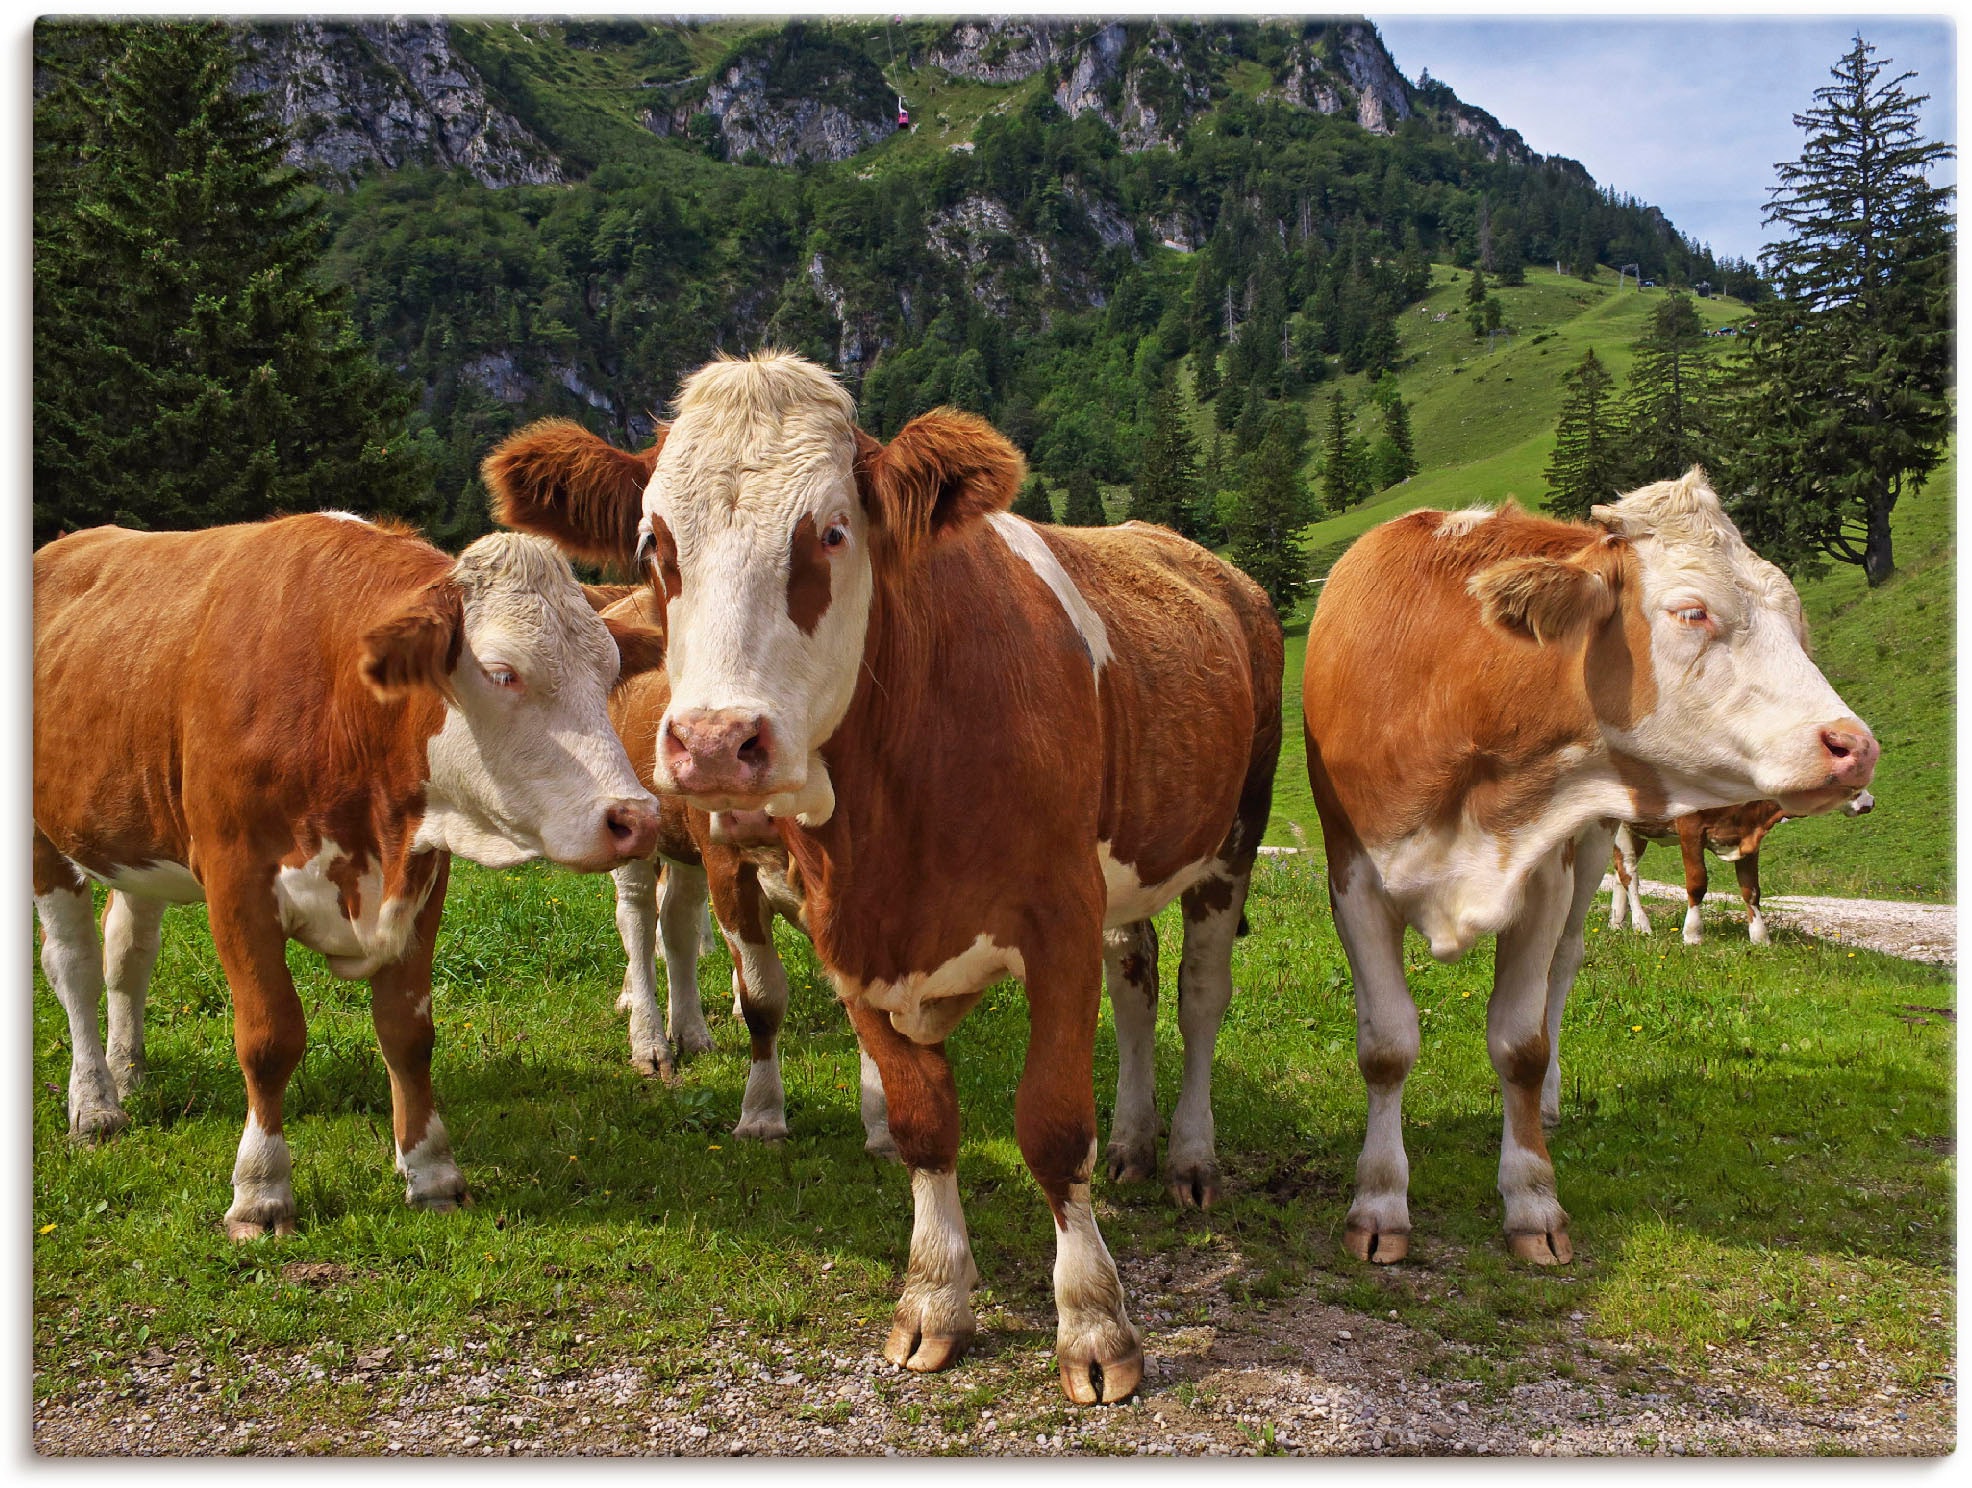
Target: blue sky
column 1684, row 112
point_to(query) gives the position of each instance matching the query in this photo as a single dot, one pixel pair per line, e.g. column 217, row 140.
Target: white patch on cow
column 263, row 1192
column 1088, row 1294
column 131, row 941
column 1031, row 548
column 72, row 961
column 1459, row 523
column 1694, row 926
column 431, row 1175
column 941, row 1273
column 1130, row 899
column 158, row 879
column 875, row 1109
column 310, row 908
column 343, row 516
column 921, row 1004
column 514, row 775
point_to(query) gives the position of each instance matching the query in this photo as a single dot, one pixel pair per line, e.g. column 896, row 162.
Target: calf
column 298, row 722
column 736, row 859
column 1487, row 694
column 993, row 749
column 1733, row 833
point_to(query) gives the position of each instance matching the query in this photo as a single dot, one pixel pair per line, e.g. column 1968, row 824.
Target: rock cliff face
column 383, row 92
column 789, row 96
column 1347, row 71
column 1001, row 50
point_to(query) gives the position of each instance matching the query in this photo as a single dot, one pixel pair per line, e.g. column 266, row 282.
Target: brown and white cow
column 298, row 722
column 734, row 859
column 1487, row 693
column 987, row 743
column 1734, row 834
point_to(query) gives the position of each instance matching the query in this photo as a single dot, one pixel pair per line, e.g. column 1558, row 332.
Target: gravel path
column 1915, row 932
column 1227, row 1377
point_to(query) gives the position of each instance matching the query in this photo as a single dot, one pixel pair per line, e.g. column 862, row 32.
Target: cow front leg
column 933, row 1322
column 1691, row 843
column 1747, row 870
column 1130, row 969
column 681, row 899
column 269, row 1033
column 1517, row 1039
column 72, row 960
column 1212, row 911
column 400, row 1009
column 132, row 935
column 1627, row 857
column 1096, row 1346
column 636, row 927
column 1378, row 1228
column 1590, row 848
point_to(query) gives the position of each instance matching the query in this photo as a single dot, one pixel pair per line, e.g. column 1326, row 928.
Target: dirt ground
column 1295, row 1376
column 1915, row 932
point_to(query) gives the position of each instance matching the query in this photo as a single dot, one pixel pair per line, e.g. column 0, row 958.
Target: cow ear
column 582, row 493
column 605, row 597
column 1549, row 599
column 943, row 471
column 418, row 646
column 639, row 647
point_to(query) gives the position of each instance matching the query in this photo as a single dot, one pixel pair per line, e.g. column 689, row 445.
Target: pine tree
column 1475, row 288
column 1033, row 501
column 1339, row 484
column 1584, row 468
column 1166, row 490
column 1668, row 401
column 1266, row 520
column 1844, row 403
column 189, row 370
column 1397, row 454
column 1215, row 494
column 1083, row 507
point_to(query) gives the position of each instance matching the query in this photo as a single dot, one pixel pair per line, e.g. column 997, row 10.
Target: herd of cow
column 950, row 745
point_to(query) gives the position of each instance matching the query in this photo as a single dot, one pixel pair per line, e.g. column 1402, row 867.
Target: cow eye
column 646, row 548
column 836, row 536
column 1693, row 615
column 502, row 676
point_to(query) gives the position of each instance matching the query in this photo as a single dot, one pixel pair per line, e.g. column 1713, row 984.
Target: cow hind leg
column 132, row 936
column 1747, row 870
column 637, row 927
column 1692, row 842
column 763, row 1003
column 1212, row 911
column 1590, row 849
column 72, row 960
column 1130, row 969
column 681, row 900
column 877, row 1140
column 1378, row 1227
column 1517, row 1039
column 933, row 1322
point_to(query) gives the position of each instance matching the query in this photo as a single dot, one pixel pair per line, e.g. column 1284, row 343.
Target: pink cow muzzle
column 720, row 757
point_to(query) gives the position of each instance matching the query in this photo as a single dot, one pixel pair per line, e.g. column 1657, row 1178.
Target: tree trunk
column 1877, row 561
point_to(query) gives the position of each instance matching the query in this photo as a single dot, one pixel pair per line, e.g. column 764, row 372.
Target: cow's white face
column 759, row 543
column 1740, row 710
column 526, row 764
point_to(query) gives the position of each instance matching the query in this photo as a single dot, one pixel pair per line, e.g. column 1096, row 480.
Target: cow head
column 1717, row 695
column 525, row 763
column 767, row 523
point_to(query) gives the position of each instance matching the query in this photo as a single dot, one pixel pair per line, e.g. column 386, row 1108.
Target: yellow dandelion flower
column 1636, row 1028
column 48, row 1229
column 713, row 1147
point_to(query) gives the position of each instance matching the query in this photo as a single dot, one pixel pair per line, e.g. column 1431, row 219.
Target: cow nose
column 1852, row 751
column 717, row 749
column 632, row 829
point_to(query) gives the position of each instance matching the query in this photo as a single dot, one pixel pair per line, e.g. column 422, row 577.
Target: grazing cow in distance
column 736, row 860
column 1487, row 693
column 1732, row 833
column 987, row 744
column 298, row 722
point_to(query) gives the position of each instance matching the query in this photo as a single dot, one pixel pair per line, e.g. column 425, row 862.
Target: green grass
column 1748, row 1136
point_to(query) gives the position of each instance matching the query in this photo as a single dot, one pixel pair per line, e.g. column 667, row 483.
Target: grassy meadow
column 1755, row 1148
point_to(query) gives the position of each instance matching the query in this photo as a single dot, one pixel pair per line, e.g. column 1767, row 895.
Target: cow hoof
column 923, row 1353
column 882, row 1144
column 443, row 1202
column 657, row 1064
column 1548, row 1249
column 1131, row 1164
column 1378, row 1247
column 1092, row 1381
column 97, row 1123
column 768, row 1128
column 690, row 1041
column 239, row 1231
column 1195, row 1185
column 1550, row 1117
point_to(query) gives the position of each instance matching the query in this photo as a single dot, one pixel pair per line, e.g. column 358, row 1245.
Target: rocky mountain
column 369, row 94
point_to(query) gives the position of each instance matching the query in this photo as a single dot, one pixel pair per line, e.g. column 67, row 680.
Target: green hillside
column 1484, row 424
